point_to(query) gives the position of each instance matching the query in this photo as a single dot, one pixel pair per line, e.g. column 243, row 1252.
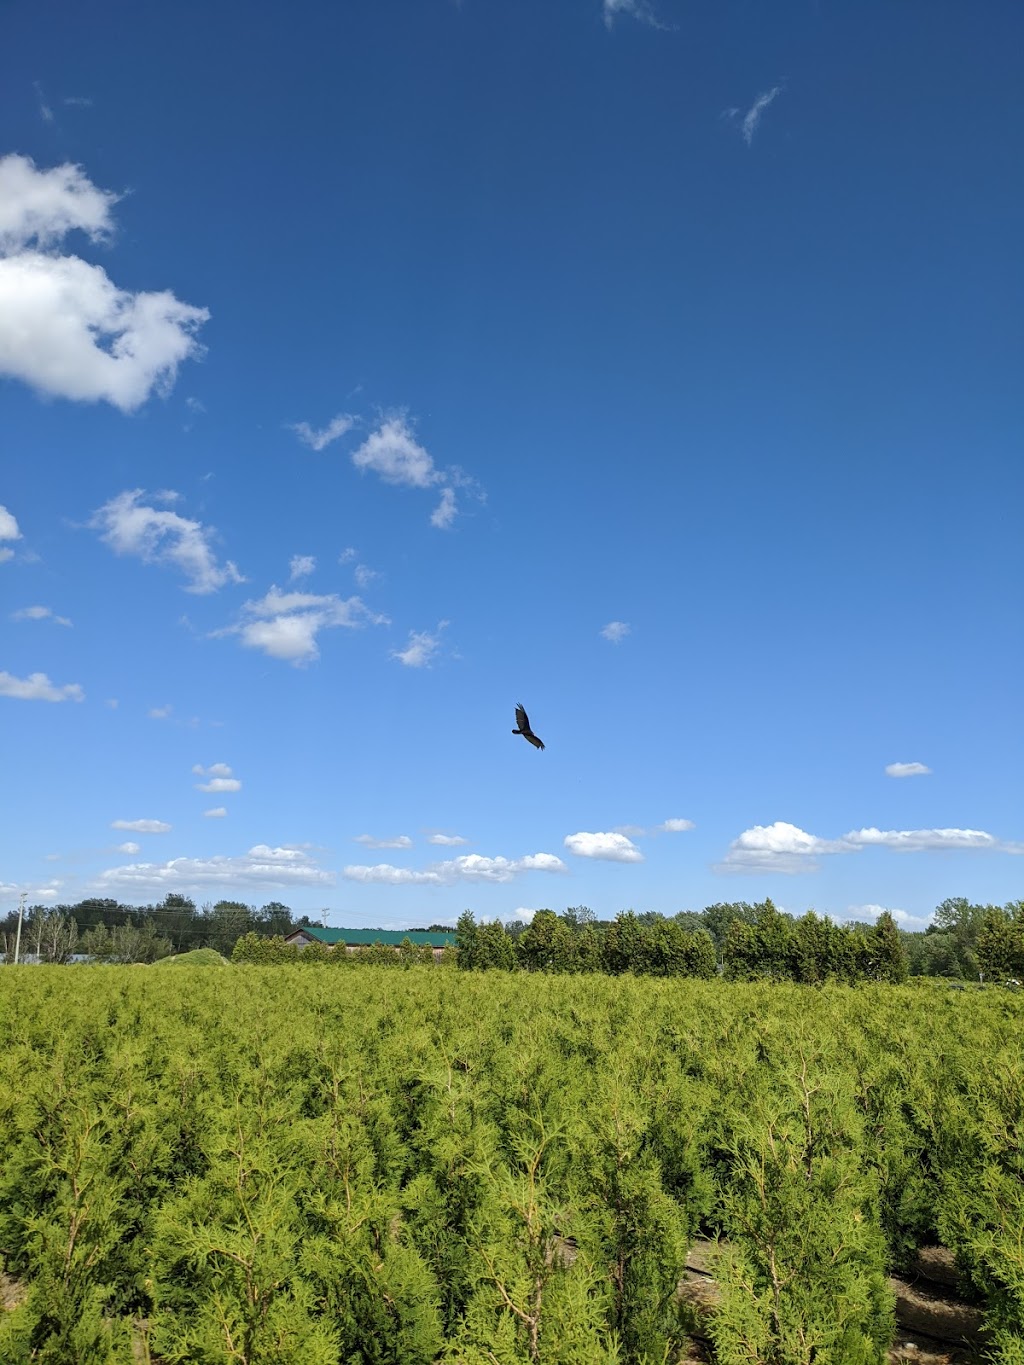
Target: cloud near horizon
column 612, row 847
column 260, row 866
column 782, row 847
column 469, row 867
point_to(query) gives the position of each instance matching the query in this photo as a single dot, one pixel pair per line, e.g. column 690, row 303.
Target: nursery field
column 379, row 1167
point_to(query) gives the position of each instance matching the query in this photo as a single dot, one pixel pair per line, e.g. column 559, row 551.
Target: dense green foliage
column 278, row 1165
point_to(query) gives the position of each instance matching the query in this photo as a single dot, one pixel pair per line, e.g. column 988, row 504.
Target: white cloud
column 214, row 770
column 615, row 631
column 523, row 913
column 219, row 784
column 912, row 923
column 39, row 614
column 317, row 440
column 300, row 566
column 45, row 112
column 217, row 813
column 158, row 536
column 636, row 9
column 8, row 525
column 906, row 770
column 40, row 207
column 129, row 848
column 676, row 826
column 285, row 624
column 422, row 646
column 612, row 847
column 364, row 575
column 783, row 847
column 142, row 826
column 159, row 712
column 753, row 115
column 393, row 452
column 469, row 867
column 446, row 510
column 399, row 841
column 447, row 840
column 261, row 866
column 348, row 554
column 38, row 687
column 67, row 330
column 920, row 840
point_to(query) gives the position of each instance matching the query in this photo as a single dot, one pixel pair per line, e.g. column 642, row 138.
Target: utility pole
column 17, row 937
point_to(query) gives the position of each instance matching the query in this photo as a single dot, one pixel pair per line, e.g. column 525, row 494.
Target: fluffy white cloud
column 399, row 841
column 300, row 566
column 318, row 440
column 612, row 847
column 214, row 770
column 447, row 840
column 217, row 813
column 219, row 778
column 676, row 826
column 39, row 614
column 129, row 848
column 906, row 770
column 40, row 207
column 870, row 913
column 615, row 631
column 261, row 866
column 142, row 826
column 8, row 531
column 422, row 646
column 783, row 847
column 38, row 687
column 158, row 536
column 394, row 453
column 285, row 624
column 364, row 575
column 470, row 867
column 65, row 327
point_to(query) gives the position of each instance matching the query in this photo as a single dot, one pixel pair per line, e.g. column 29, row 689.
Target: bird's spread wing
column 522, row 719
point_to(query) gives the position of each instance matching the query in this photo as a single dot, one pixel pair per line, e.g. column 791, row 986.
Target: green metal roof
column 392, row 937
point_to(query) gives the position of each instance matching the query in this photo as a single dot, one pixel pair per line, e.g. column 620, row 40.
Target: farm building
column 354, row 939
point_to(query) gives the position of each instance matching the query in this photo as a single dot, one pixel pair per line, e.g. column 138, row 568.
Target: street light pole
column 17, row 937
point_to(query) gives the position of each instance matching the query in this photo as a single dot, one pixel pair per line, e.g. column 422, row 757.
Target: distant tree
column 467, row 937
column 227, row 922
column 625, row 947
column 887, row 956
column 718, row 917
column 958, row 917
column 1000, row 943
column 932, row 954
column 546, row 944
column 494, row 947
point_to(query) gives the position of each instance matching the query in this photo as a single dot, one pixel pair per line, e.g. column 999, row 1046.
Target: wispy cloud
column 364, row 575
column 45, row 112
column 217, row 813
column 38, row 687
column 421, row 649
column 65, row 327
column 142, row 826
column 615, row 631
column 160, row 712
column 129, row 848
column 446, row 510
column 752, row 118
column 159, row 536
column 640, row 10
column 611, row 847
column 285, row 625
column 397, row 841
column 319, row 440
column 447, row 840
column 260, row 866
column 39, row 614
column 786, row 848
column 907, row 770
column 470, row 867
column 673, row 826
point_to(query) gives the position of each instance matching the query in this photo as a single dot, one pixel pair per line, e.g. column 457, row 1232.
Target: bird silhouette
column 523, row 724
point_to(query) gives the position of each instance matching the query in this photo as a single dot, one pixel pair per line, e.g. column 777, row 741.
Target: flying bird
column 523, row 723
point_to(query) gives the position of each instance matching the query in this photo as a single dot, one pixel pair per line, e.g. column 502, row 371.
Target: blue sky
column 367, row 368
